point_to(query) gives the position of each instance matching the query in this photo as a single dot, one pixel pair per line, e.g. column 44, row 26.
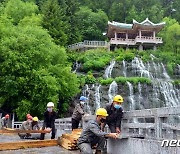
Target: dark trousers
column 85, row 148
column 112, row 128
column 75, row 124
column 53, row 132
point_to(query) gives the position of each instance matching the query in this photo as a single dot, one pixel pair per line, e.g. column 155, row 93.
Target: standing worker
column 115, row 112
column 49, row 120
column 5, row 121
column 78, row 112
column 92, row 135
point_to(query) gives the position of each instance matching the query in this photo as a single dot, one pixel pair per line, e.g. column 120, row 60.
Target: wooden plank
column 24, row 131
column 27, row 144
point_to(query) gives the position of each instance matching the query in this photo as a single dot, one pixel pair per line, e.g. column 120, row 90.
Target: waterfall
column 165, row 72
column 76, row 66
column 86, row 93
column 113, row 89
column 161, row 81
column 131, row 96
column 97, row 96
column 109, row 69
column 140, row 98
column 132, row 99
column 124, row 68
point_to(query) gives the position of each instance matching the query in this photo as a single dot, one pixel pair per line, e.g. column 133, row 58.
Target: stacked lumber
column 69, row 141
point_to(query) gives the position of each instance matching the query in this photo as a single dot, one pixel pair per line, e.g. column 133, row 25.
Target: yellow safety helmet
column 101, row 112
column 35, row 119
column 118, row 98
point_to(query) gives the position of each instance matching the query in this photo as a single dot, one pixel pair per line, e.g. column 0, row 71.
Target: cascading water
column 76, row 66
column 162, row 84
column 86, row 93
column 97, row 96
column 131, row 96
column 113, row 89
column 109, row 69
column 124, row 68
column 161, row 93
column 132, row 99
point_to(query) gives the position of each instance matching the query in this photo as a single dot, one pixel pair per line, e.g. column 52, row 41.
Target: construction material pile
column 69, row 141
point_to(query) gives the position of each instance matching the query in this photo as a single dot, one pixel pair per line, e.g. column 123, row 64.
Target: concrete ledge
column 138, row 146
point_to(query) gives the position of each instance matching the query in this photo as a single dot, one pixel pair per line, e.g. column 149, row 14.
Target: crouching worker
column 26, row 125
column 93, row 135
column 5, row 121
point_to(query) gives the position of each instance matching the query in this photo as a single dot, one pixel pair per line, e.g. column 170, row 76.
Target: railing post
column 158, row 127
column 13, row 121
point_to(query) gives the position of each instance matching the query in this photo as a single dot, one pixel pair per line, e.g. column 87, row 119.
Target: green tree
column 53, row 21
column 34, row 70
column 171, row 35
column 92, row 24
column 73, row 33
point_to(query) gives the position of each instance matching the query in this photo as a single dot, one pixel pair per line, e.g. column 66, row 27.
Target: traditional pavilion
column 139, row 35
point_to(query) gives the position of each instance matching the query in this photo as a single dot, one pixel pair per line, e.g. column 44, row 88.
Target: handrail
column 158, row 127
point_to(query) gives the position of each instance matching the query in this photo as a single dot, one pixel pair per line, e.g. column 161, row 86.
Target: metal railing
column 89, row 44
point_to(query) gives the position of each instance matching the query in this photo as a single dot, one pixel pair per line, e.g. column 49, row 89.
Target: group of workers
column 31, row 123
column 93, row 134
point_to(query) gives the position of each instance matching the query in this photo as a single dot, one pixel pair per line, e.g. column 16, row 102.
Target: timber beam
column 27, row 144
column 24, row 131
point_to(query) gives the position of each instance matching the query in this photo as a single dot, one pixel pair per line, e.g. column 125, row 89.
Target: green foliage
column 16, row 14
column 106, row 81
column 176, row 82
column 90, row 79
column 171, row 35
column 53, row 21
column 34, row 70
column 123, row 80
column 127, row 55
column 95, row 59
column 92, row 24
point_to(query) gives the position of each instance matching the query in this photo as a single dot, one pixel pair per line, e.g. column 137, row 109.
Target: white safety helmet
column 50, row 104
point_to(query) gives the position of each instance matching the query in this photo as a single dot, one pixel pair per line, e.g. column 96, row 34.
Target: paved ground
column 43, row 150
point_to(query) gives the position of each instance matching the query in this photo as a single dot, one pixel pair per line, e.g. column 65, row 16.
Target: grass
column 123, row 80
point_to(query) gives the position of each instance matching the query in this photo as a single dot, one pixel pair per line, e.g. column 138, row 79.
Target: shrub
column 106, row 81
column 95, row 59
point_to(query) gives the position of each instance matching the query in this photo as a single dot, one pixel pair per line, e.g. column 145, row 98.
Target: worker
column 49, row 120
column 27, row 116
column 34, row 124
column 78, row 112
column 93, row 135
column 30, row 124
column 115, row 112
column 5, row 121
column 26, row 125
